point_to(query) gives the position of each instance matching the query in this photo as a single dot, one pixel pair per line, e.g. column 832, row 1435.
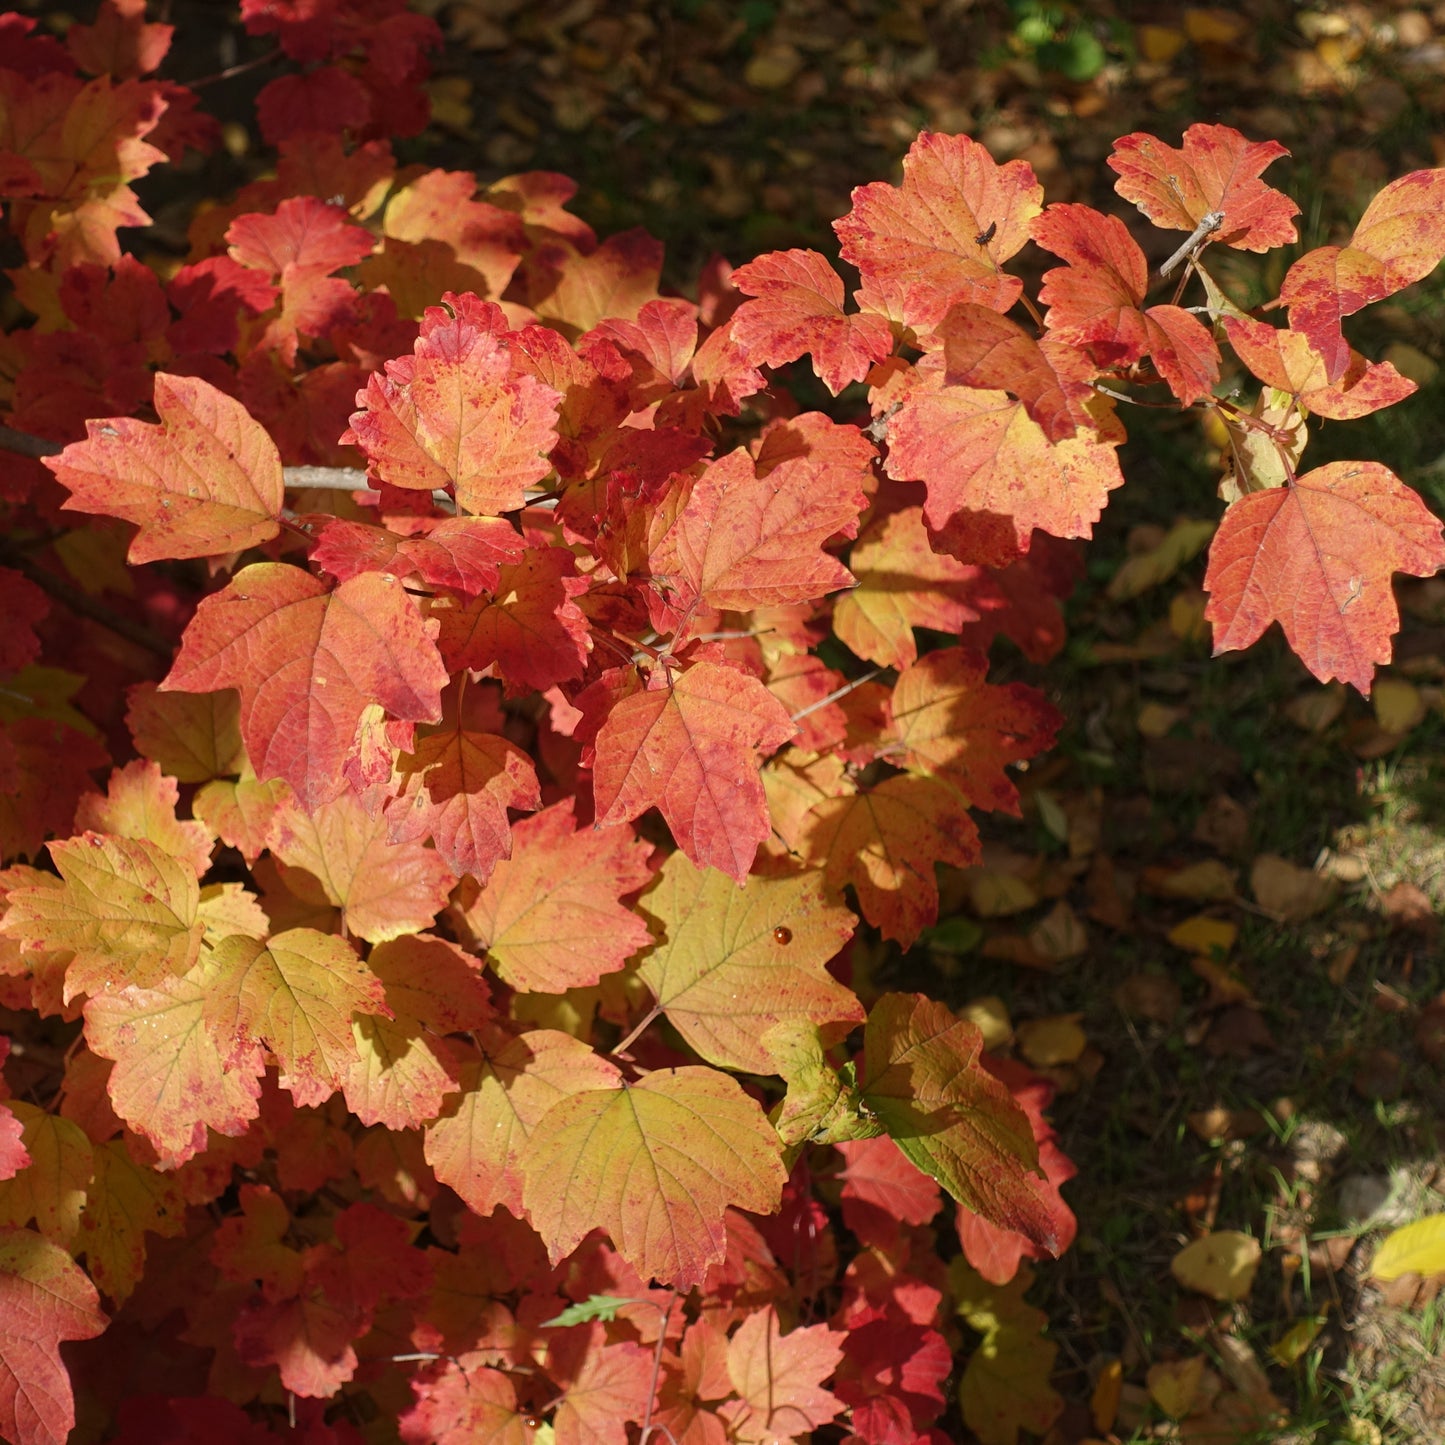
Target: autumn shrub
column 458, row 710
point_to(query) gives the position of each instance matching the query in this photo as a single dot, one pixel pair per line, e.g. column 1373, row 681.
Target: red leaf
column 13, row 1155
column 44, row 1298
column 531, row 628
column 206, row 480
column 1217, row 169
column 1050, row 377
column 752, row 534
column 1399, row 240
column 688, row 745
column 882, row 1190
column 890, row 1364
column 325, row 99
column 459, row 413
column 1317, row 557
column 801, row 310
column 921, row 247
column 302, row 232
column 308, row 663
column 120, row 42
column 460, row 553
column 22, row 604
column 465, row 1402
column 550, row 917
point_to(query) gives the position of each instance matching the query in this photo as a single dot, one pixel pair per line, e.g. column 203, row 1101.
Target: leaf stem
column 647, row 1425
column 836, row 694
column 632, row 1038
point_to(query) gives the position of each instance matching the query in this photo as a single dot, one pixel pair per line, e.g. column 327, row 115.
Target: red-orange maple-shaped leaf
column 655, row 1164
column 120, row 42
column 531, row 629
column 752, row 534
column 461, row 553
column 941, row 237
column 996, row 1252
column 465, row 1402
column 308, row 662
column 460, row 413
column 800, row 309
column 303, row 232
column 1050, row 377
column 902, row 584
column 980, row 451
column 171, row 1081
column 1097, row 298
column 455, row 788
column 606, row 1387
column 550, row 918
column 732, row 962
column 295, row 993
column 127, row 909
column 44, row 1298
column 956, row 726
column 404, row 1064
column 1216, row 170
column 882, row 1190
column 689, row 745
column 1400, row 239
column 926, row 1083
column 1288, row 361
column 343, row 857
column 780, row 1379
column 1317, row 556
column 476, row 1145
column 204, row 481
column 885, row 842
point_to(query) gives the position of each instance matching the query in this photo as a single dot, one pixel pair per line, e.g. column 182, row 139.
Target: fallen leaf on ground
column 1208, row 882
column 1317, row 709
column 1221, row 1265
column 1174, row 1385
column 1050, row 1041
column 1286, row 889
column 1398, row 705
column 1211, row 937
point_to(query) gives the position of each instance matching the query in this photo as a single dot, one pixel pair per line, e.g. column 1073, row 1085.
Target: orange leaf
column 941, row 237
column 1317, row 556
column 1217, row 169
column 549, row 917
column 206, row 480
column 780, row 1379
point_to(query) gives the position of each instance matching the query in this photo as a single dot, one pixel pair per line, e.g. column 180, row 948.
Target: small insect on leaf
column 984, row 237
column 782, row 935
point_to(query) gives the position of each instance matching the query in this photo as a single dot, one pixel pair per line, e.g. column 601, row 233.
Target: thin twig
column 837, row 693
column 26, row 446
column 232, row 71
column 68, row 596
column 1209, row 223
column 647, row 1426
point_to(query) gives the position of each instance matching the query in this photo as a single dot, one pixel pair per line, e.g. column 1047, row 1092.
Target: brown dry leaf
column 1215, row 26
column 1059, row 935
column 1218, row 1125
column 1341, row 964
column 1290, row 892
column 1174, row 1385
column 1317, row 709
column 1211, row 937
column 1239, row 1032
column 1380, row 1074
column 1048, row 1042
column 1398, row 705
column 1208, row 882
column 1223, row 825
column 1408, row 908
column 1110, row 893
column 1430, row 1032
column 1086, row 822
column 1242, row 1369
column 1222, row 1265
column 1152, row 996
column 995, row 893
column 772, row 67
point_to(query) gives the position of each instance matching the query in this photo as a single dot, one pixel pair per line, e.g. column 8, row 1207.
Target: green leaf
column 602, row 1307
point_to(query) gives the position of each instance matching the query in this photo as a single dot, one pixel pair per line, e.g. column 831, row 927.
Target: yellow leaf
column 996, row 895
column 1398, row 704
column 1155, row 720
column 1174, row 1385
column 1207, row 882
column 1104, row 1402
column 1289, row 1349
column 990, row 1016
column 1221, row 1265
column 1051, row 1041
column 1212, row 937
column 1182, row 543
column 1417, row 1248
